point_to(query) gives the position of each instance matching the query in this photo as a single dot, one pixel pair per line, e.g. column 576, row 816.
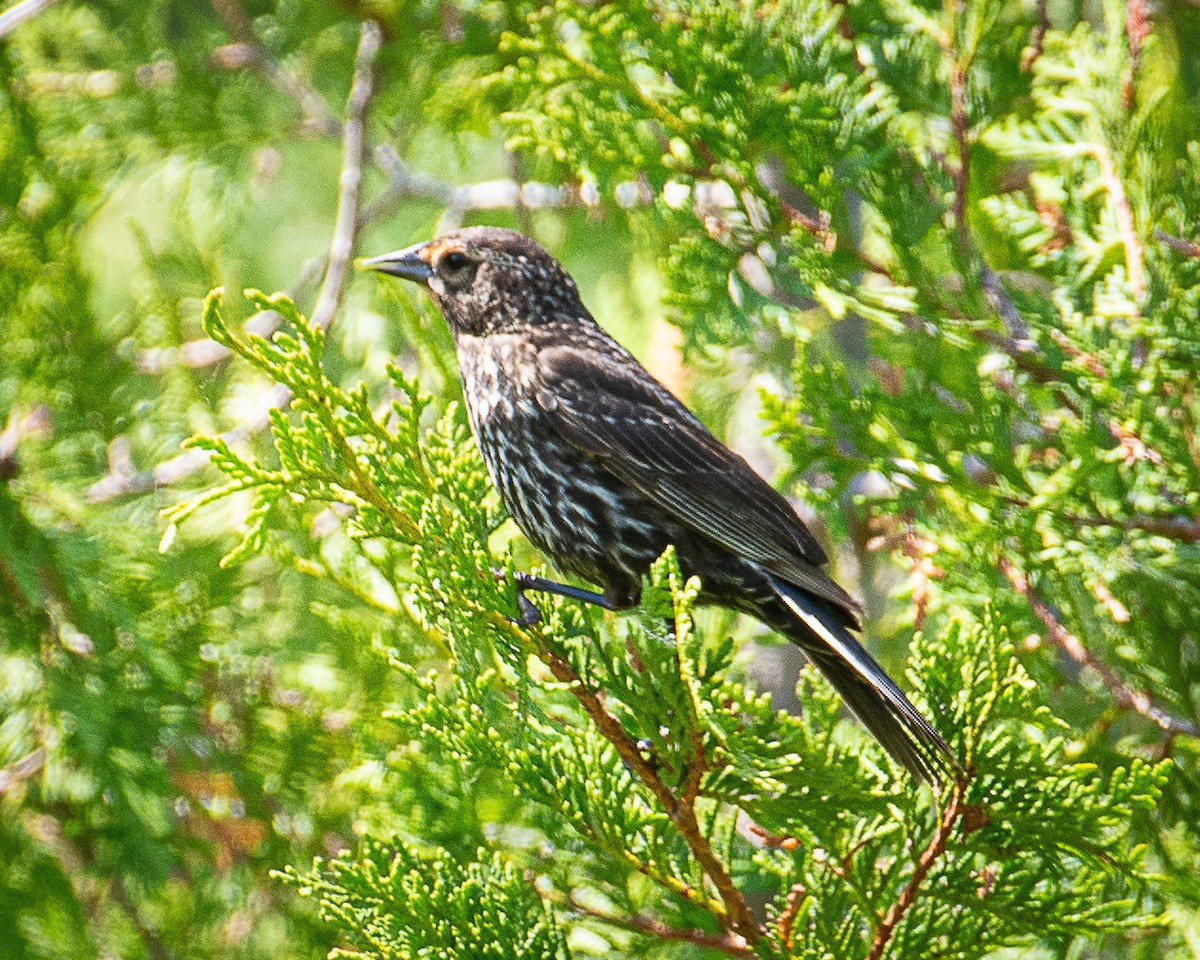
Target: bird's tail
column 864, row 687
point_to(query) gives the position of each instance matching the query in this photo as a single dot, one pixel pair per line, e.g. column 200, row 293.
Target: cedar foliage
column 948, row 254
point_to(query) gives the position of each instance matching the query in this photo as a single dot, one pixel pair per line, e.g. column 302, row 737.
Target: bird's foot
column 530, row 614
column 527, row 581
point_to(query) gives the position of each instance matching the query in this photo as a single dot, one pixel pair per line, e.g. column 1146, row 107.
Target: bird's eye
column 454, row 260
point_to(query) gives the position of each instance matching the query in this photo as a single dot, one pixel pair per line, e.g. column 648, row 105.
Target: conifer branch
column 950, row 817
column 681, row 808
column 662, row 931
column 1136, row 700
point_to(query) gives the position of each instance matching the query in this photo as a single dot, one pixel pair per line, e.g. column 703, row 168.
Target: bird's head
column 487, row 280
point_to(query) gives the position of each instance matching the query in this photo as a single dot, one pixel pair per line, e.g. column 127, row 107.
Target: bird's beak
column 406, row 264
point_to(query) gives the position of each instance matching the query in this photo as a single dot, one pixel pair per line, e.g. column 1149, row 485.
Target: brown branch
column 1137, row 28
column 1080, row 356
column 952, row 813
column 1037, row 42
column 1171, row 527
column 1127, row 697
column 787, row 919
column 683, row 814
column 656, row 928
column 1178, row 244
column 18, row 13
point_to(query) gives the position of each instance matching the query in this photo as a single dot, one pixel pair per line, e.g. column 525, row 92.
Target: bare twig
column 20, row 425
column 353, row 139
column 951, row 815
column 787, row 919
column 1131, row 699
column 1183, row 529
column 23, row 769
column 1080, row 356
column 1006, row 310
column 18, row 13
column 121, row 479
column 656, row 928
column 1178, row 244
column 251, row 52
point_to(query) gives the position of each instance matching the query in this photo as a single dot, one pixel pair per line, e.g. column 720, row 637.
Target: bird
column 602, row 468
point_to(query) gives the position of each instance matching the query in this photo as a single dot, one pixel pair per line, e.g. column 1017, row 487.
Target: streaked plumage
column 602, row 468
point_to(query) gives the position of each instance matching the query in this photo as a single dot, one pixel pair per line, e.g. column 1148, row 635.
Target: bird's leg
column 527, row 581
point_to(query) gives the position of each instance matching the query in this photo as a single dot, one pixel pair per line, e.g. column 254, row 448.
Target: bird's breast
column 497, row 374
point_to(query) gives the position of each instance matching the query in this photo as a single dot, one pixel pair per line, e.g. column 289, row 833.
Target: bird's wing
column 608, row 406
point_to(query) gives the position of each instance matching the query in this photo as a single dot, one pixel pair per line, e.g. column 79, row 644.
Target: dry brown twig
column 1037, row 42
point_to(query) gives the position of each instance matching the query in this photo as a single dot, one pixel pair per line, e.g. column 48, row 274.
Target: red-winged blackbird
column 603, row 468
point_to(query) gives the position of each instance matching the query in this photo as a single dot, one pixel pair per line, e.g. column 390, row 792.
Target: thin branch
column 1127, row 697
column 1137, row 28
column 787, row 919
column 1080, row 356
column 251, row 52
column 18, row 13
column 656, row 928
column 353, row 138
column 1037, row 42
column 22, row 769
column 951, row 815
column 959, row 123
column 1134, row 258
column 122, row 479
column 1178, row 244
column 20, row 425
column 683, row 814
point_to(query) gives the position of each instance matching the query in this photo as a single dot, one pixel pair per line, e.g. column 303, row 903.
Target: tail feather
column 864, row 687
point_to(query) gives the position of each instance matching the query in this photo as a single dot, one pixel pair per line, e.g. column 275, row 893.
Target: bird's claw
column 530, row 614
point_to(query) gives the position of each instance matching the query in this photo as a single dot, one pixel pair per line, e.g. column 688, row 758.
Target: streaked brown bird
column 603, row 468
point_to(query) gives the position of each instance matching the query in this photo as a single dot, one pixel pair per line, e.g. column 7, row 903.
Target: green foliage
column 1041, row 848
column 391, row 902
column 948, row 252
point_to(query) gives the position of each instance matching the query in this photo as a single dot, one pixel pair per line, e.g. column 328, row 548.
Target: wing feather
column 649, row 440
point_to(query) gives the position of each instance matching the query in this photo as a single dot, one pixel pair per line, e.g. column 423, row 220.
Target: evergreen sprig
column 644, row 745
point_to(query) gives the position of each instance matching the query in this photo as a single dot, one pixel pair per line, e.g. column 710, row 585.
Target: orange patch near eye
column 435, row 250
